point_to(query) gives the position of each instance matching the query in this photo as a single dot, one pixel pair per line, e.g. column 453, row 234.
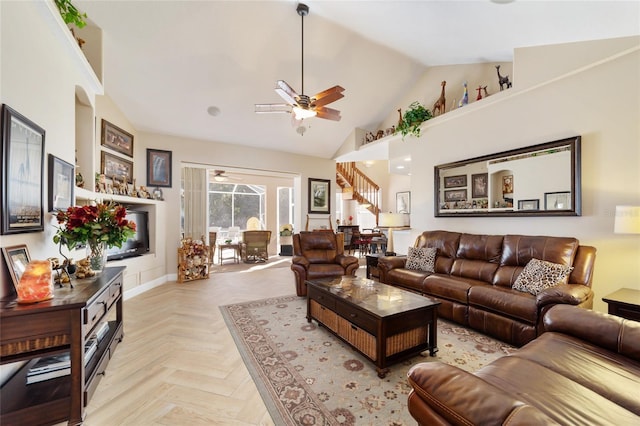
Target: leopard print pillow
column 421, row 259
column 539, row 275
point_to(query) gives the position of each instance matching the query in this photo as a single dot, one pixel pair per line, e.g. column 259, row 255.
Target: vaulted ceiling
column 167, row 62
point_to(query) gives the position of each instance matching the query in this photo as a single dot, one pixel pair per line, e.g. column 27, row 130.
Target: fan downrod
column 302, row 9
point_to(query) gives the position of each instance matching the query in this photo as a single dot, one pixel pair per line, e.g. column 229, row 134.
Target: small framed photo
column 455, row 181
column 480, row 185
column 113, row 166
column 528, row 204
column 455, row 195
column 557, row 200
column 115, row 138
column 319, row 196
column 61, row 183
column 22, row 169
column 403, row 202
column 158, row 168
column 507, row 184
column 17, row 258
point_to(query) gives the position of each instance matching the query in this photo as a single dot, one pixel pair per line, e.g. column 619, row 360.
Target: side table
column 372, row 265
column 624, row 303
column 236, row 252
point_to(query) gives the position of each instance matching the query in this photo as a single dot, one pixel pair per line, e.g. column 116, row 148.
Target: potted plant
column 413, row 117
column 70, row 14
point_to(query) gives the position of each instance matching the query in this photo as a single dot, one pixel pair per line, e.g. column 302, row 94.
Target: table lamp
column 627, row 220
column 392, row 221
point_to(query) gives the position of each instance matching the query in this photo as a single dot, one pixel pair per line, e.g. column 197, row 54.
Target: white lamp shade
column 627, row 220
column 393, row 220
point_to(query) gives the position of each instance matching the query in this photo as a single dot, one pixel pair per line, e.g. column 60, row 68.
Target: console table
column 54, row 327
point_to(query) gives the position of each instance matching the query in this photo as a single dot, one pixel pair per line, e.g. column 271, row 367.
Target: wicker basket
column 24, row 346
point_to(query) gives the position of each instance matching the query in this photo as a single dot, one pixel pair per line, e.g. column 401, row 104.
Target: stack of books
column 58, row 365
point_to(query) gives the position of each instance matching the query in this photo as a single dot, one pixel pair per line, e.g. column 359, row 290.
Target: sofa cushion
column 407, row 278
column 505, row 302
column 443, row 286
column 421, row 259
column 321, row 270
column 518, row 250
column 539, row 275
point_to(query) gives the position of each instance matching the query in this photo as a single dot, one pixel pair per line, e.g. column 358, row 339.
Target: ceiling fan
column 303, row 106
column 221, row 176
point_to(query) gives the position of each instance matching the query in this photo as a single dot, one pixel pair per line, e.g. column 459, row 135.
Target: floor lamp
column 392, row 221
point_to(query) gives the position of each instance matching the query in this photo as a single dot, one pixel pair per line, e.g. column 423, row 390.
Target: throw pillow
column 539, row 275
column 421, row 259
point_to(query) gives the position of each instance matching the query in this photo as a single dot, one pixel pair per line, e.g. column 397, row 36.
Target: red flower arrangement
column 104, row 222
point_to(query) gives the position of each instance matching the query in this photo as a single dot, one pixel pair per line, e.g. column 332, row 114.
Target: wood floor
column 178, row 364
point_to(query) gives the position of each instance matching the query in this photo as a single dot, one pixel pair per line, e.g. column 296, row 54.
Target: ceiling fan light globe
column 302, row 113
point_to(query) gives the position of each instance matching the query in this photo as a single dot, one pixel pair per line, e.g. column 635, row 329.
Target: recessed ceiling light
column 407, row 159
column 399, row 167
column 213, row 111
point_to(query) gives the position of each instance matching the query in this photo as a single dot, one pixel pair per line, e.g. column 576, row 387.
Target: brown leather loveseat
column 584, row 370
column 320, row 254
column 474, row 274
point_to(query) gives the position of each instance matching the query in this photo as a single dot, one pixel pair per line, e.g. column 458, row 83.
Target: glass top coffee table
column 384, row 323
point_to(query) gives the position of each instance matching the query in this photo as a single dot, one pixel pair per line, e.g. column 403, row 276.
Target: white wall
column 602, row 104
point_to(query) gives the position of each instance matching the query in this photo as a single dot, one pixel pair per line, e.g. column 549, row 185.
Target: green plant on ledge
column 69, row 13
column 413, row 117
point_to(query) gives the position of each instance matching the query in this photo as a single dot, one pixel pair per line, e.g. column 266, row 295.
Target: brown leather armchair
column 318, row 255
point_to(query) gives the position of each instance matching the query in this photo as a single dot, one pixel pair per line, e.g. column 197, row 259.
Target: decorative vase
column 97, row 254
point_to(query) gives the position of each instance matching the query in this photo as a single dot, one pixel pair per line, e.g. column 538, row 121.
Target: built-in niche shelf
column 85, row 195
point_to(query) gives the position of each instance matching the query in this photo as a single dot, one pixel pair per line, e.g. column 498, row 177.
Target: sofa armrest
column 301, row 260
column 566, row 294
column 461, row 398
column 388, row 263
column 345, row 260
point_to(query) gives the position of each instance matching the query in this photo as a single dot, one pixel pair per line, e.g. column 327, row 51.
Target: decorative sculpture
column 479, row 89
column 441, row 103
column 502, row 81
column 465, row 96
column 484, row 89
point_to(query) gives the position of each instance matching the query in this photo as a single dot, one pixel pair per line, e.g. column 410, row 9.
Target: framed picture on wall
column 158, row 168
column 557, row 200
column 319, row 196
column 403, row 202
column 455, row 181
column 115, row 138
column 22, row 173
column 114, row 166
column 480, row 185
column 17, row 258
column 61, row 183
column 528, row 204
column 455, row 195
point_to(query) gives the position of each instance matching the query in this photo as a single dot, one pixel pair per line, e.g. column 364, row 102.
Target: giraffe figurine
column 441, row 103
column 484, row 89
column 479, row 89
column 502, row 81
column 465, row 96
column 399, row 116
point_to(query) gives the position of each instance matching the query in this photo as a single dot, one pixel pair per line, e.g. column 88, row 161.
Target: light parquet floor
column 178, row 364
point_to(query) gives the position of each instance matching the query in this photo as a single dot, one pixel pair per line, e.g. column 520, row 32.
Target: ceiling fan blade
column 269, row 108
column 286, row 92
column 328, row 113
column 327, row 96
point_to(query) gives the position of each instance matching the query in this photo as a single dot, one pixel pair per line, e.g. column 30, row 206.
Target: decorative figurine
column 380, row 134
column 484, row 89
column 441, row 103
column 502, row 81
column 465, row 96
column 479, row 89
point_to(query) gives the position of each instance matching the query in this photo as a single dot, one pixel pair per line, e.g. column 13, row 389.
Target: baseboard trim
column 128, row 294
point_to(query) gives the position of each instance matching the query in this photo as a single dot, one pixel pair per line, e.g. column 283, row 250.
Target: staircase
column 365, row 191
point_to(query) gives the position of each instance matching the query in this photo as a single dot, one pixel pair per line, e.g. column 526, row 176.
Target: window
column 285, row 206
column 232, row 204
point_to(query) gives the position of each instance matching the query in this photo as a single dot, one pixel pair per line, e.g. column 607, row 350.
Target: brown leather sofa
column 474, row 275
column 584, row 370
column 320, row 254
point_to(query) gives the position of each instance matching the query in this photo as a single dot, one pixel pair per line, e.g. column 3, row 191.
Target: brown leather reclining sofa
column 474, row 274
column 584, row 370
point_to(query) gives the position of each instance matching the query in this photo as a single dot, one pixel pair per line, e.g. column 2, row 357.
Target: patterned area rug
column 306, row 376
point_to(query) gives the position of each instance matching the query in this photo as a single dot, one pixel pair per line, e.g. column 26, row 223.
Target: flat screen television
column 136, row 245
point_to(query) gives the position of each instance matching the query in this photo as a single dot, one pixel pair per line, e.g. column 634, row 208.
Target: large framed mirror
column 538, row 180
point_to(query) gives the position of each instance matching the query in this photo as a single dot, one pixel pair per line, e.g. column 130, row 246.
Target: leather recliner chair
column 320, row 254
